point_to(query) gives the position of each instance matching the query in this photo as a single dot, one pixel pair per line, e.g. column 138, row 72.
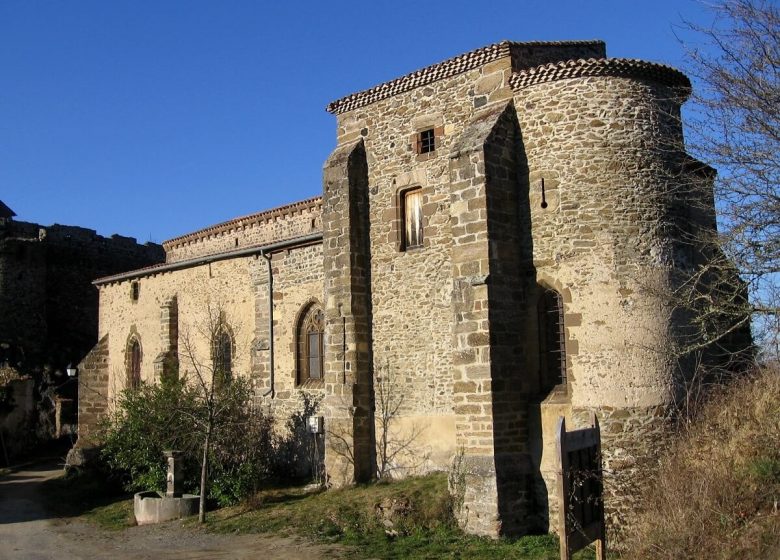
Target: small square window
column 426, row 141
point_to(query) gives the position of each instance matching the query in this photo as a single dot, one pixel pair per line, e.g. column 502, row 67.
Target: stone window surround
column 222, row 333
column 399, row 222
column 133, row 367
column 300, row 346
column 415, row 141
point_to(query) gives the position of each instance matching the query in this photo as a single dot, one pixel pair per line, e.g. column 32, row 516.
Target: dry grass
column 717, row 492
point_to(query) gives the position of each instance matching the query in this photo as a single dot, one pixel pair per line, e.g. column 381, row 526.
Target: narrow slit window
column 413, row 218
column 426, row 142
column 552, row 340
column 222, row 357
column 134, row 365
column 315, row 359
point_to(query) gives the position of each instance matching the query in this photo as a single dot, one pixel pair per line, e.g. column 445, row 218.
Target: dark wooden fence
column 581, row 491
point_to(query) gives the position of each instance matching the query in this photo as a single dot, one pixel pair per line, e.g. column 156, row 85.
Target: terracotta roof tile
column 445, row 69
column 620, row 67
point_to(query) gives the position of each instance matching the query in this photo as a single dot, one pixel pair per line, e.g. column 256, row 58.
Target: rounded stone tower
column 603, row 141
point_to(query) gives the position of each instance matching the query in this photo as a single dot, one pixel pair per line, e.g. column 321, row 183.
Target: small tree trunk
column 203, row 471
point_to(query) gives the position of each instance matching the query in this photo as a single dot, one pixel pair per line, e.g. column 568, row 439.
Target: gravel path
column 28, row 532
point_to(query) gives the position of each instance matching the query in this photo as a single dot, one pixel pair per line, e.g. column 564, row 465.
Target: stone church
column 495, row 235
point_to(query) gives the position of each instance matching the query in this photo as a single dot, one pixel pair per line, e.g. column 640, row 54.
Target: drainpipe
column 267, row 256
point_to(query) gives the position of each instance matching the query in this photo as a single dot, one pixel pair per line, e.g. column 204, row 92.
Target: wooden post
column 563, row 486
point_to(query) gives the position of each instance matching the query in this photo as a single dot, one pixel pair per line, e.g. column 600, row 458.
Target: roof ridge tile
column 445, row 69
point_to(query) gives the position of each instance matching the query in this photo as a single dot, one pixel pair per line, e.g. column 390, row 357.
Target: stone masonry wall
column 601, row 147
column 286, row 222
column 49, row 303
column 412, row 289
column 171, row 315
column 93, row 378
column 297, row 283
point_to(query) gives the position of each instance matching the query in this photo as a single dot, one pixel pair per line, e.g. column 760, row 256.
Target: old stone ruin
column 49, row 319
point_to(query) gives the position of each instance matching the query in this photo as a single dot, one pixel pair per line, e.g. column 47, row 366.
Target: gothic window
column 552, row 340
column 412, row 210
column 222, row 356
column 310, row 334
column 133, row 363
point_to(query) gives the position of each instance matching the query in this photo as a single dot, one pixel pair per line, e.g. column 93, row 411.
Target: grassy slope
column 717, row 493
column 422, row 524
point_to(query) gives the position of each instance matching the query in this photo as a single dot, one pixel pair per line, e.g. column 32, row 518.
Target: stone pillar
column 93, row 392
column 166, row 365
column 491, row 267
column 348, row 404
column 173, row 478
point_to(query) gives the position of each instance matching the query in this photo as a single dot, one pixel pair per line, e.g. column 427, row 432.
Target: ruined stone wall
column 49, row 304
column 93, row 380
column 286, row 222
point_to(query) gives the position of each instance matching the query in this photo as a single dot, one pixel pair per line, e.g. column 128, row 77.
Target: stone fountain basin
column 155, row 507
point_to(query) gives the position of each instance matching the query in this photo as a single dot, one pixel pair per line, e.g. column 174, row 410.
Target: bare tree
column 397, row 447
column 393, row 446
column 733, row 125
column 218, row 397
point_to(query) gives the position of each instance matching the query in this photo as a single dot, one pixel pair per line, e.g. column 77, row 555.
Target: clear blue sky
column 156, row 118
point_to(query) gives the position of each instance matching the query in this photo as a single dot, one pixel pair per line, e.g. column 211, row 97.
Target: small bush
column 717, row 490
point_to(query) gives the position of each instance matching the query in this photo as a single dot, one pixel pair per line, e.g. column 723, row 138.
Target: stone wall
column 93, row 379
column 49, row 304
column 173, row 311
column 286, row 222
column 603, row 147
column 411, row 289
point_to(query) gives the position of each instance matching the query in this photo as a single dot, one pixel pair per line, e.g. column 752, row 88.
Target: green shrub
column 154, row 418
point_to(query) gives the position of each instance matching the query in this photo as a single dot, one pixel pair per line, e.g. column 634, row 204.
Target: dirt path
column 28, row 532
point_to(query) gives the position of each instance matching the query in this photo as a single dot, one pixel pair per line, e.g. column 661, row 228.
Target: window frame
column 222, row 371
column 551, row 329
column 427, row 141
column 405, row 217
column 311, row 323
column 134, row 362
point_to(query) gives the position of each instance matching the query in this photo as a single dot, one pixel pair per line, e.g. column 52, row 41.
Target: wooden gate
column 580, row 488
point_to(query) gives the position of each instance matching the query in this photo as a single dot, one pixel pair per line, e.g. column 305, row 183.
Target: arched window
column 552, row 340
column 133, row 363
column 310, row 354
column 222, row 356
